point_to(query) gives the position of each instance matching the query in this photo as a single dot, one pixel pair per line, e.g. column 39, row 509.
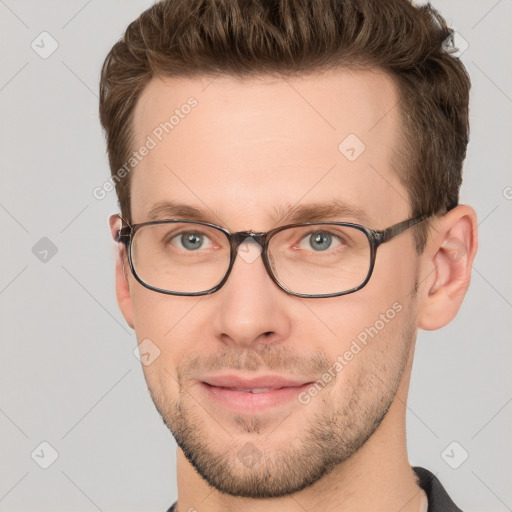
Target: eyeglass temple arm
column 123, row 234
column 392, row 231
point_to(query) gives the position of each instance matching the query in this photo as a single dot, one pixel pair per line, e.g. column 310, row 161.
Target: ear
column 447, row 262
column 122, row 270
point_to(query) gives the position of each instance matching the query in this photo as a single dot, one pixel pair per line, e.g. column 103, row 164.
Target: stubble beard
column 254, row 467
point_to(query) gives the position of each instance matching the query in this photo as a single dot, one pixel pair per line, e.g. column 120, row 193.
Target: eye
column 320, row 241
column 191, row 241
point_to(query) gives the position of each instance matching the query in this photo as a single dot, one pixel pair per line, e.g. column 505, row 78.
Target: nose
column 251, row 308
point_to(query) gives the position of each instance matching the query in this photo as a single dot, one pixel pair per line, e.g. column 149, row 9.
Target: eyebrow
column 332, row 210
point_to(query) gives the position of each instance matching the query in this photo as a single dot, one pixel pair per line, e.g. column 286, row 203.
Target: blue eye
column 319, row 241
column 191, row 241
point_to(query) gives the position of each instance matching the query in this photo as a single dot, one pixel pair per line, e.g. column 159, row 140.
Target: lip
column 262, row 381
column 232, row 391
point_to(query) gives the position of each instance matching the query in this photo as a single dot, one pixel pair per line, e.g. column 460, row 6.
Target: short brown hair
column 186, row 38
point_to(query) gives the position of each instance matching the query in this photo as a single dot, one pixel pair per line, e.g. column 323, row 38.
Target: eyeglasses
column 312, row 260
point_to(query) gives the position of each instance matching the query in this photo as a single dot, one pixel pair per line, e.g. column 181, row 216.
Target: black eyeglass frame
column 375, row 238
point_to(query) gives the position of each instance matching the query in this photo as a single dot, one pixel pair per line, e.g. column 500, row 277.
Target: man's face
column 249, row 151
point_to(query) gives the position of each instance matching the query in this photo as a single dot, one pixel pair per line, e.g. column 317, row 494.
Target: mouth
column 255, row 394
column 253, row 390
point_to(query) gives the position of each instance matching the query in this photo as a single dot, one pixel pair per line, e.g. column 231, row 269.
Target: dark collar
column 438, row 499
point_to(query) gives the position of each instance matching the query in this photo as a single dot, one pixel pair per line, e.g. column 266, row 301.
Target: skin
column 247, row 148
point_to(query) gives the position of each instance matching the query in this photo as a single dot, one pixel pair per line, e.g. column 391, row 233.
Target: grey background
column 67, row 369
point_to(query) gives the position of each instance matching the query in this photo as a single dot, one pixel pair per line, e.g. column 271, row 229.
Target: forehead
column 244, row 148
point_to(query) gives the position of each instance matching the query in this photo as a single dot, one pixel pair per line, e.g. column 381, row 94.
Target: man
column 288, row 177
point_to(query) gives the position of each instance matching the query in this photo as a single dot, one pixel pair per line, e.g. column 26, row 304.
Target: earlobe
column 446, row 262
column 122, row 270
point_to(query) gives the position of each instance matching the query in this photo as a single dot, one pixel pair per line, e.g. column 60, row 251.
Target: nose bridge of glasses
column 248, row 245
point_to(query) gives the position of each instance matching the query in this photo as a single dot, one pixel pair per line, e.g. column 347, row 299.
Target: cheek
column 370, row 354
column 165, row 325
column 160, row 316
column 150, row 314
column 373, row 323
column 391, row 286
column 396, row 270
column 352, row 318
